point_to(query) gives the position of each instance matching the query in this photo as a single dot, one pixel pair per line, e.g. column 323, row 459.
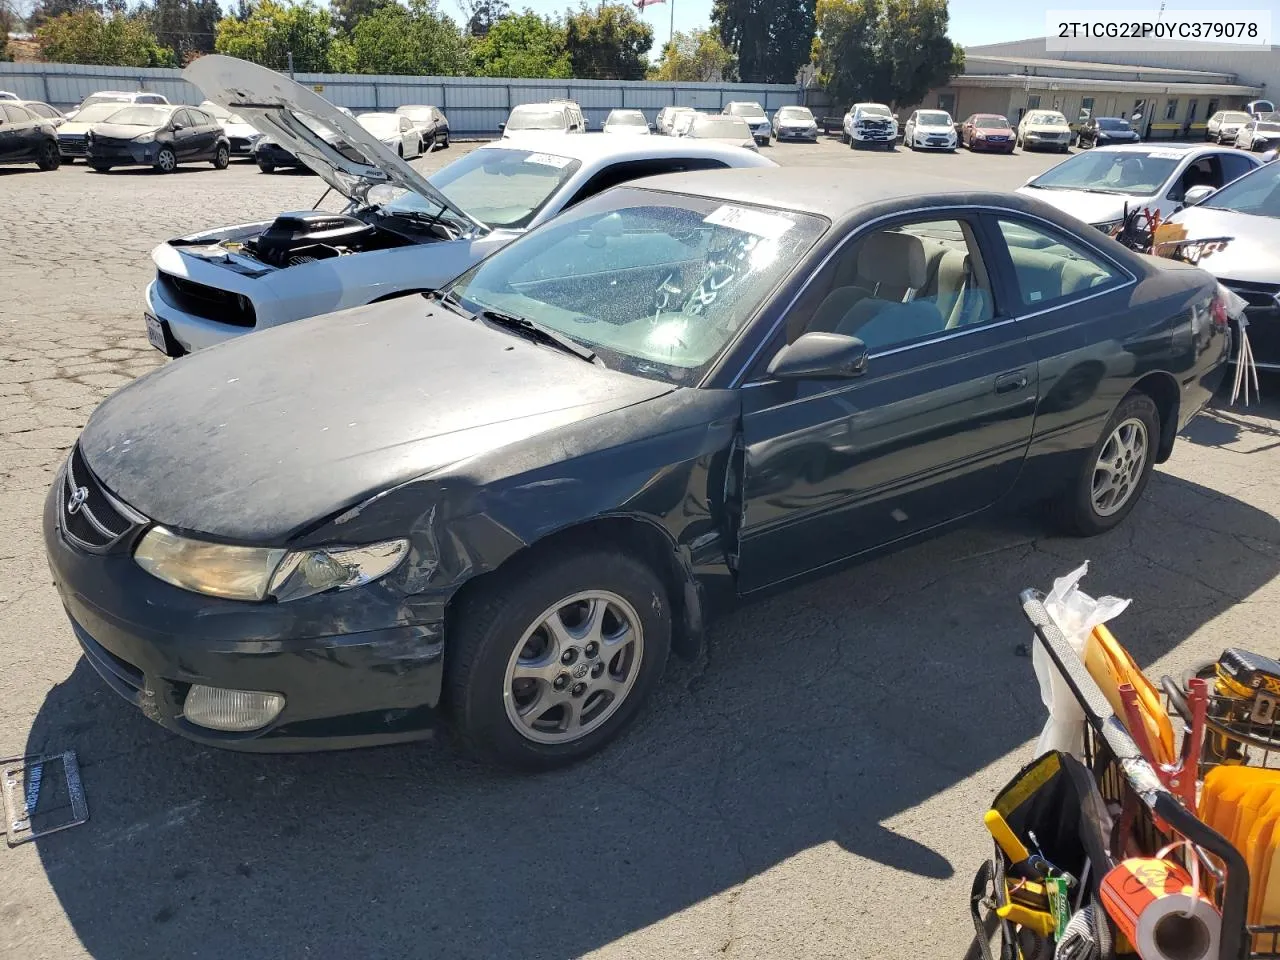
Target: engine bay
column 293, row 239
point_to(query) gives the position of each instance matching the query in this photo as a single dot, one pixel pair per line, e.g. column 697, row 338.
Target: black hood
column 259, row 438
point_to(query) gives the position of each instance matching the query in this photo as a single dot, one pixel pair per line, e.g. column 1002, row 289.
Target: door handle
column 1009, row 382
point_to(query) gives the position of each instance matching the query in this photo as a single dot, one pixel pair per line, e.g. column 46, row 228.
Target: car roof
column 594, row 150
column 1184, row 149
column 836, row 193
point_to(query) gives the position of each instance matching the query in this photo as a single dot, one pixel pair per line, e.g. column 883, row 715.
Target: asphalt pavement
column 811, row 788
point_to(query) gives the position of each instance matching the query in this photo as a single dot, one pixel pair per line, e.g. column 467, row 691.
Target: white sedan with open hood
column 219, row 284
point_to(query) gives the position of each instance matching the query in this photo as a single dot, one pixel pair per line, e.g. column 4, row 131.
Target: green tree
column 522, row 45
column 771, row 38
column 348, row 13
column 271, row 31
column 608, row 42
column 890, row 50
column 186, row 26
column 415, row 40
column 697, row 56
column 8, row 21
column 481, row 15
column 89, row 37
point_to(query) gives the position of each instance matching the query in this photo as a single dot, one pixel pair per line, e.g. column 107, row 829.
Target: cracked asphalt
column 812, row 788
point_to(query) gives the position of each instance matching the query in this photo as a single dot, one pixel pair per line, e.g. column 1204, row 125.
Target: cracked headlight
column 254, row 573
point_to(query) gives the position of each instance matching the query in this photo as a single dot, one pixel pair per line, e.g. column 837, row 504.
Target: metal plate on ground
column 42, row 795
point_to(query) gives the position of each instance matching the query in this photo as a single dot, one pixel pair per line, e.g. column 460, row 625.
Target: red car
column 987, row 131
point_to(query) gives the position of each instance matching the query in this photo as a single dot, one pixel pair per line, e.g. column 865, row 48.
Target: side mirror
column 653, row 126
column 820, row 356
column 502, row 127
column 179, row 125
column 1198, row 193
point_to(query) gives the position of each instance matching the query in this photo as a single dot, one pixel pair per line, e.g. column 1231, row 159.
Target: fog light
column 233, row 711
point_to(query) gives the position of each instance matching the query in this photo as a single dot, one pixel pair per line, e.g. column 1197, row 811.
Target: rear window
column 536, row 118
column 745, row 110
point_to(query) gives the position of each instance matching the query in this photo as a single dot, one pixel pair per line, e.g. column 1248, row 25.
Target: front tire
column 166, row 161
column 100, row 167
column 266, row 166
column 555, row 658
column 221, row 158
column 1115, row 472
column 49, row 158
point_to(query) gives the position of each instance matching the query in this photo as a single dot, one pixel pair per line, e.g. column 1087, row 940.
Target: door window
column 182, row 117
column 1170, row 109
column 17, row 114
column 1050, row 268
column 1234, row 166
column 905, row 284
column 1205, row 172
column 1192, row 107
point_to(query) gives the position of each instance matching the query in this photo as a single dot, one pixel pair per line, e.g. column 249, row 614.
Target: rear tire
column 221, row 158
column 1124, row 455
column 497, row 632
column 48, row 158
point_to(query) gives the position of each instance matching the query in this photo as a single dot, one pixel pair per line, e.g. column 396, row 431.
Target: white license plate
column 155, row 332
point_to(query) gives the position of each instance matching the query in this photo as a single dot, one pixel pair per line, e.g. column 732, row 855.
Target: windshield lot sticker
column 548, row 160
column 767, row 225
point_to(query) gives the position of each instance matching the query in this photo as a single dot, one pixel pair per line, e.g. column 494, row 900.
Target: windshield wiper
column 537, row 332
column 452, row 301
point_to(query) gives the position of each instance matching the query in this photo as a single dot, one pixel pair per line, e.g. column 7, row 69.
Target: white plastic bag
column 1076, row 614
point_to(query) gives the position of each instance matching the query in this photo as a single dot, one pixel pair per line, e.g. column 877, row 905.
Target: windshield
column 499, row 187
column 1267, row 127
column 415, row 113
column 656, row 284
column 1256, row 193
column 536, row 118
column 1236, row 118
column 991, row 123
column 732, row 127
column 626, row 118
column 753, row 110
column 381, row 124
column 100, row 111
column 142, row 116
column 1113, row 123
column 104, row 98
column 1129, row 171
column 801, row 114
column 873, row 110
column 933, row 118
column 1048, row 119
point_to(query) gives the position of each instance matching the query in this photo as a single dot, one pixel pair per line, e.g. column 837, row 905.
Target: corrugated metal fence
column 474, row 105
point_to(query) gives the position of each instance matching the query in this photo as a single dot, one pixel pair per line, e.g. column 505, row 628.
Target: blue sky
column 972, row 21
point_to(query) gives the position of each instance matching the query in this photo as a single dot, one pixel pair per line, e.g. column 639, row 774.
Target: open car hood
column 290, row 113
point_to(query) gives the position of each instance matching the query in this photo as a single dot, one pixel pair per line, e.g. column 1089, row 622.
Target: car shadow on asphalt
column 1251, row 429
column 829, row 714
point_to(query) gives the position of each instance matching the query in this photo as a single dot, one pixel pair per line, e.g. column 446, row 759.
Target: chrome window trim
column 736, row 381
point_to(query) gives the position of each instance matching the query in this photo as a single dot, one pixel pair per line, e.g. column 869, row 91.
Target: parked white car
column 430, row 122
column 666, row 119
column 9, row 95
column 73, row 134
column 870, row 123
column 731, row 131
column 930, row 130
column 627, row 123
column 1099, row 185
column 122, row 97
column 396, row 132
column 242, row 136
column 555, row 116
column 1044, row 130
column 1258, row 108
column 1225, row 124
column 755, row 118
column 1260, row 133
column 683, row 121
column 400, row 232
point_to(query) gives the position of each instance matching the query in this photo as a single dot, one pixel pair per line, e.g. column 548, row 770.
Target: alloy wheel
column 573, row 667
column 166, row 161
column 1119, row 467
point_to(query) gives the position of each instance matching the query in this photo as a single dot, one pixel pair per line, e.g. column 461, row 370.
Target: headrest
column 893, row 260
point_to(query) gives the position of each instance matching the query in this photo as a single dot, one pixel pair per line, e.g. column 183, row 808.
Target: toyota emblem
column 78, row 496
